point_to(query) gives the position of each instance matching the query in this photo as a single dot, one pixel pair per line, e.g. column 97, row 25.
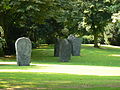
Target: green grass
column 105, row 56
column 52, row 81
column 30, row 80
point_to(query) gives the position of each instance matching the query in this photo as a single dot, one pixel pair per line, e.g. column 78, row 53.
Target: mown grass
column 105, row 56
column 52, row 81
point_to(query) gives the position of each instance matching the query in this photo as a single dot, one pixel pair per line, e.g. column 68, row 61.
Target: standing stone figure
column 76, row 45
column 64, row 50
column 23, row 51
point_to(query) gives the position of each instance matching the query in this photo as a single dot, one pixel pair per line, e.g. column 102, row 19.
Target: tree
column 96, row 15
column 113, row 30
column 16, row 14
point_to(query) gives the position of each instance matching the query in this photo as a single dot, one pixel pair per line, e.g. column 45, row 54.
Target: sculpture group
column 64, row 48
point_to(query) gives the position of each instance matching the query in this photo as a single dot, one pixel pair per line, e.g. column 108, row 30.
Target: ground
column 95, row 69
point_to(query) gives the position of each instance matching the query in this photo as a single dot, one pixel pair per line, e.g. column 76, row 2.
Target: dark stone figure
column 64, row 50
column 76, row 45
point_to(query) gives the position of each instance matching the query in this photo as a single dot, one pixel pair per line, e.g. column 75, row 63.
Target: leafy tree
column 18, row 13
column 113, row 30
column 96, row 15
column 85, row 16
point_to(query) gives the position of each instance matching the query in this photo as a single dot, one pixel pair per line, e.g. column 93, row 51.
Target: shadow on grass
column 53, row 81
column 105, row 56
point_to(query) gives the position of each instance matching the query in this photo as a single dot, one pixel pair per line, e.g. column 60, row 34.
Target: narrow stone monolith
column 23, row 51
column 64, row 50
column 76, row 45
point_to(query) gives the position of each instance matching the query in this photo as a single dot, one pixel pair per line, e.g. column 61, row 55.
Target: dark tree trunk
column 56, row 48
column 10, row 42
column 96, row 41
column 65, row 50
column 9, row 48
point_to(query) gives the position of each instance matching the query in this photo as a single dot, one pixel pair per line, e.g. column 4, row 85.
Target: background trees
column 40, row 19
column 18, row 18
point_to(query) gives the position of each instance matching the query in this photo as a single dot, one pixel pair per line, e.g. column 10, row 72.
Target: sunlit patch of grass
column 115, row 55
column 69, row 69
column 89, row 56
column 56, row 81
column 77, row 74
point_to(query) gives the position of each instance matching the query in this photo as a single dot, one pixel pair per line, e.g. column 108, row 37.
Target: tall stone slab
column 64, row 50
column 23, row 51
column 76, row 45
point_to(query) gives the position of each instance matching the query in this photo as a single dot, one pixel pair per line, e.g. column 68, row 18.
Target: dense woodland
column 43, row 21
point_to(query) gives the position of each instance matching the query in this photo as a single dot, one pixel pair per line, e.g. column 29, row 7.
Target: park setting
column 59, row 45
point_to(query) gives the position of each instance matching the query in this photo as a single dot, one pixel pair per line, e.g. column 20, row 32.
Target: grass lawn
column 95, row 69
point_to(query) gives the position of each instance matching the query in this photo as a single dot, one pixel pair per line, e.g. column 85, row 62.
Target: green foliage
column 3, row 42
column 85, row 16
column 24, row 15
column 69, row 14
column 80, row 17
column 116, row 17
column 88, row 39
column 113, row 33
column 49, row 31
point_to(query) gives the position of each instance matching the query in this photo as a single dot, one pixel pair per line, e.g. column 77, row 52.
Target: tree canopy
column 34, row 18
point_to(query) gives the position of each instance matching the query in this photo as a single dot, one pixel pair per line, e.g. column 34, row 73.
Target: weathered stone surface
column 56, row 48
column 23, row 51
column 64, row 50
column 76, row 45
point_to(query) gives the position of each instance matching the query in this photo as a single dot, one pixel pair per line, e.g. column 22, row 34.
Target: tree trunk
column 96, row 41
column 56, row 48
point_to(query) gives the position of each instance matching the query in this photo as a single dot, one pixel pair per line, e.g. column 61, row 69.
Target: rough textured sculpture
column 23, row 51
column 64, row 50
column 76, row 45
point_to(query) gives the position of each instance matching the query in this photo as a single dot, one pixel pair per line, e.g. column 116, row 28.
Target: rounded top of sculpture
column 24, row 38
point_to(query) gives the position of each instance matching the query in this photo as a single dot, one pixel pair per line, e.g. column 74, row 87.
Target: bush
column 2, row 46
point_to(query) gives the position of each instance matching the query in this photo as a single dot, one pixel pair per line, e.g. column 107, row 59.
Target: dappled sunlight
column 70, row 69
column 88, row 44
column 7, row 63
column 42, row 49
column 111, row 46
column 115, row 55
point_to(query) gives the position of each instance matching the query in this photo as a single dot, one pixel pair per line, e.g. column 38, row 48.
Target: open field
column 95, row 69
